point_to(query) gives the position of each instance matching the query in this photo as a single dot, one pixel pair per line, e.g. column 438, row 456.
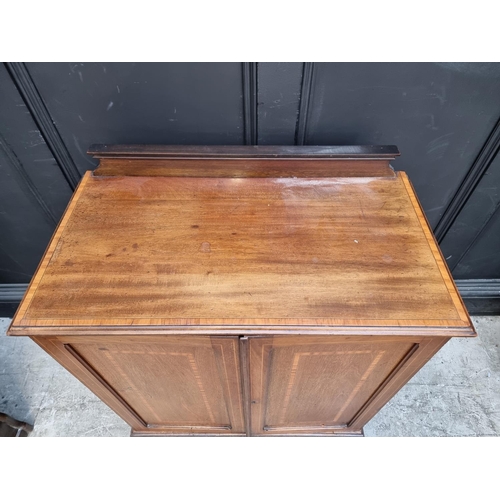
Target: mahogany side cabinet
column 246, row 291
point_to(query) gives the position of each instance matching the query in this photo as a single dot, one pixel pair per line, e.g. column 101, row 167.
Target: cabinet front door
column 170, row 385
column 319, row 385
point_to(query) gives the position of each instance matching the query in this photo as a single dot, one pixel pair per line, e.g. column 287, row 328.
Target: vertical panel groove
column 34, row 102
column 476, row 237
column 26, row 184
column 250, row 93
column 384, row 384
column 476, row 172
column 99, row 379
column 305, row 98
column 245, row 379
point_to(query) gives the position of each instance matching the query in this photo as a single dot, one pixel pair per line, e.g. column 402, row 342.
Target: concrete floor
column 456, row 394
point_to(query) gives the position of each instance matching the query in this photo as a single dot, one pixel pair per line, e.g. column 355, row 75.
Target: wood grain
column 318, row 384
column 428, row 346
column 241, row 168
column 49, row 252
column 436, row 251
column 140, row 251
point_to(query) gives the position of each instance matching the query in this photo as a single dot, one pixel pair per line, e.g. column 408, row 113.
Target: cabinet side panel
column 428, row 347
column 55, row 348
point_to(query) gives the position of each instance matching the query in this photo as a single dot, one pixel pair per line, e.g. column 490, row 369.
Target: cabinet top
column 224, row 245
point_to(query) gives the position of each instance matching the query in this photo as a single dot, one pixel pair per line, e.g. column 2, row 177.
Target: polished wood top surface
column 332, row 254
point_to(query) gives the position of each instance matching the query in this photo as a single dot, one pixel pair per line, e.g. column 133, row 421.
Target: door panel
column 172, row 384
column 317, row 384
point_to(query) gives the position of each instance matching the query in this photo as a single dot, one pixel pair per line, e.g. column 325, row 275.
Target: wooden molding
column 243, row 168
column 245, row 382
column 244, row 161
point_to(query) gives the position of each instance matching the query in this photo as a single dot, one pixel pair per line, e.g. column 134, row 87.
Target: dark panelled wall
column 438, row 115
column 443, row 117
column 142, row 103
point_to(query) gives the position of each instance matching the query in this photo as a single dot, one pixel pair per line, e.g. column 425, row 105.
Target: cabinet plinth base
column 156, row 433
column 133, row 433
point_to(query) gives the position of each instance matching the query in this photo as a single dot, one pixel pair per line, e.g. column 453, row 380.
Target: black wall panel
column 21, row 135
column 470, row 224
column 439, row 115
column 279, row 87
column 482, row 260
column 24, row 228
column 33, row 191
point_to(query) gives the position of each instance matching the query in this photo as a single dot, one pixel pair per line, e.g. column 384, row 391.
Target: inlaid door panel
column 318, row 384
column 171, row 384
